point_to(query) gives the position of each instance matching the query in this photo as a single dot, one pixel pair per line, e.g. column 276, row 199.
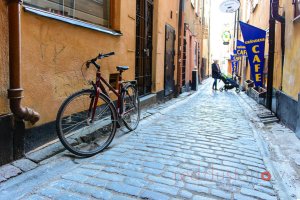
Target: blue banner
column 234, row 64
column 254, row 39
column 241, row 48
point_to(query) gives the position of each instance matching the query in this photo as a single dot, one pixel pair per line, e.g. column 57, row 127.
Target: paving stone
column 148, row 194
column 120, row 197
column 35, row 197
column 136, row 182
column 164, row 188
column 24, row 164
column 235, row 165
column 95, row 192
column 62, row 184
column 197, row 188
column 221, row 194
column 87, row 172
column 198, row 197
column 78, row 178
column 96, row 182
column 186, row 194
column 134, row 174
column 264, row 189
column 158, row 179
column 124, row 188
column 154, row 165
column 242, row 197
column 70, row 196
column 254, row 193
column 8, row 171
column 110, row 177
column 50, row 193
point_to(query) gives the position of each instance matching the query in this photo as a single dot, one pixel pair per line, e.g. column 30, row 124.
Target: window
column 92, row 11
column 297, row 8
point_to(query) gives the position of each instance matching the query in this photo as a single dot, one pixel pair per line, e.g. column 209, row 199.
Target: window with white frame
column 92, row 11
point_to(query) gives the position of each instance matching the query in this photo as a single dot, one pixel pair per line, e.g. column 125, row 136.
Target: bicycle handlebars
column 99, row 57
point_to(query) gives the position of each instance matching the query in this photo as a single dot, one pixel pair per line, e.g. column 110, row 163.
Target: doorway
column 143, row 55
column 169, row 60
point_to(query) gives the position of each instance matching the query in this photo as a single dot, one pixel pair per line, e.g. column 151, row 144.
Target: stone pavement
column 203, row 147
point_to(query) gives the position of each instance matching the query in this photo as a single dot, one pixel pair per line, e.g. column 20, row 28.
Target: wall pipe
column 15, row 91
column 274, row 5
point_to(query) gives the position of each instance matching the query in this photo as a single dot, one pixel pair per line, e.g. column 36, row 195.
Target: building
column 45, row 45
column 284, row 40
column 194, row 29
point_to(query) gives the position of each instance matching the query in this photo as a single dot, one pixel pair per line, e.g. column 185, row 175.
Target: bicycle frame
column 98, row 86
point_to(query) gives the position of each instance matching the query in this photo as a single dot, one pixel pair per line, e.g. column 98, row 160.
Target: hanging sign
column 234, row 64
column 230, row 6
column 254, row 39
column 226, row 36
column 241, row 48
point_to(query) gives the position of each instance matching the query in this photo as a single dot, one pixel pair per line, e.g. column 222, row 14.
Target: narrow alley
column 202, row 147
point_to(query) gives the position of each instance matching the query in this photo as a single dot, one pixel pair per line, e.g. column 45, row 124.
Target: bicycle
column 87, row 120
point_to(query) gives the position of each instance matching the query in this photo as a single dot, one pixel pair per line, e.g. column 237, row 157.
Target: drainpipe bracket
column 15, row 93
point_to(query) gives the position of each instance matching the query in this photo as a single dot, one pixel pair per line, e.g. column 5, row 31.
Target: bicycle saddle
column 122, row 68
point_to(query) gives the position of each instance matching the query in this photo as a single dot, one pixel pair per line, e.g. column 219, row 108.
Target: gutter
column 274, row 5
column 15, row 91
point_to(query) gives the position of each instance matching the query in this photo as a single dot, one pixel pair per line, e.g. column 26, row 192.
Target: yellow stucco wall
column 291, row 69
column 289, row 78
column 162, row 12
column 53, row 53
column 4, row 108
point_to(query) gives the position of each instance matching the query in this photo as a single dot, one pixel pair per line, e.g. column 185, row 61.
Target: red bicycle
column 87, row 120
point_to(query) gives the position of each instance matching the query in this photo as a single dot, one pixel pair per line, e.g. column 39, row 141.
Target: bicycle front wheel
column 78, row 131
column 131, row 107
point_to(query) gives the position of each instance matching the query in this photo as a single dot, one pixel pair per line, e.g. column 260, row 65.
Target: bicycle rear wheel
column 131, row 107
column 75, row 129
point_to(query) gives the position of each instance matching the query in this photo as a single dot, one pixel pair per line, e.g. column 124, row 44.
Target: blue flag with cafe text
column 254, row 40
column 234, row 64
column 241, row 48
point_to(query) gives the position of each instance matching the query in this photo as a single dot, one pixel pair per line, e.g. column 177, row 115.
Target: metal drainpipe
column 274, row 12
column 281, row 19
column 15, row 90
column 274, row 5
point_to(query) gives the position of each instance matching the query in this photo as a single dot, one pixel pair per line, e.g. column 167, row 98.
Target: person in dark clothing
column 215, row 73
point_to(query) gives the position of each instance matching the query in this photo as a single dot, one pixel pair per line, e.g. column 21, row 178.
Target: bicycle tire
column 127, row 118
column 99, row 127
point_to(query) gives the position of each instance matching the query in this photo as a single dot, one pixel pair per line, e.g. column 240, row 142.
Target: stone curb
column 258, row 126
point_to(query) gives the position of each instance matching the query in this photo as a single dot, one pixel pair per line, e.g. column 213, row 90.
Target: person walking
column 215, row 73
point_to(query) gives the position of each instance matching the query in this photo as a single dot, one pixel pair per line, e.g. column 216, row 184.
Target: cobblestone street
column 202, row 147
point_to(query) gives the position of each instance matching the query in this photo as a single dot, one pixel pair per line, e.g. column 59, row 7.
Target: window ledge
column 297, row 19
column 72, row 21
